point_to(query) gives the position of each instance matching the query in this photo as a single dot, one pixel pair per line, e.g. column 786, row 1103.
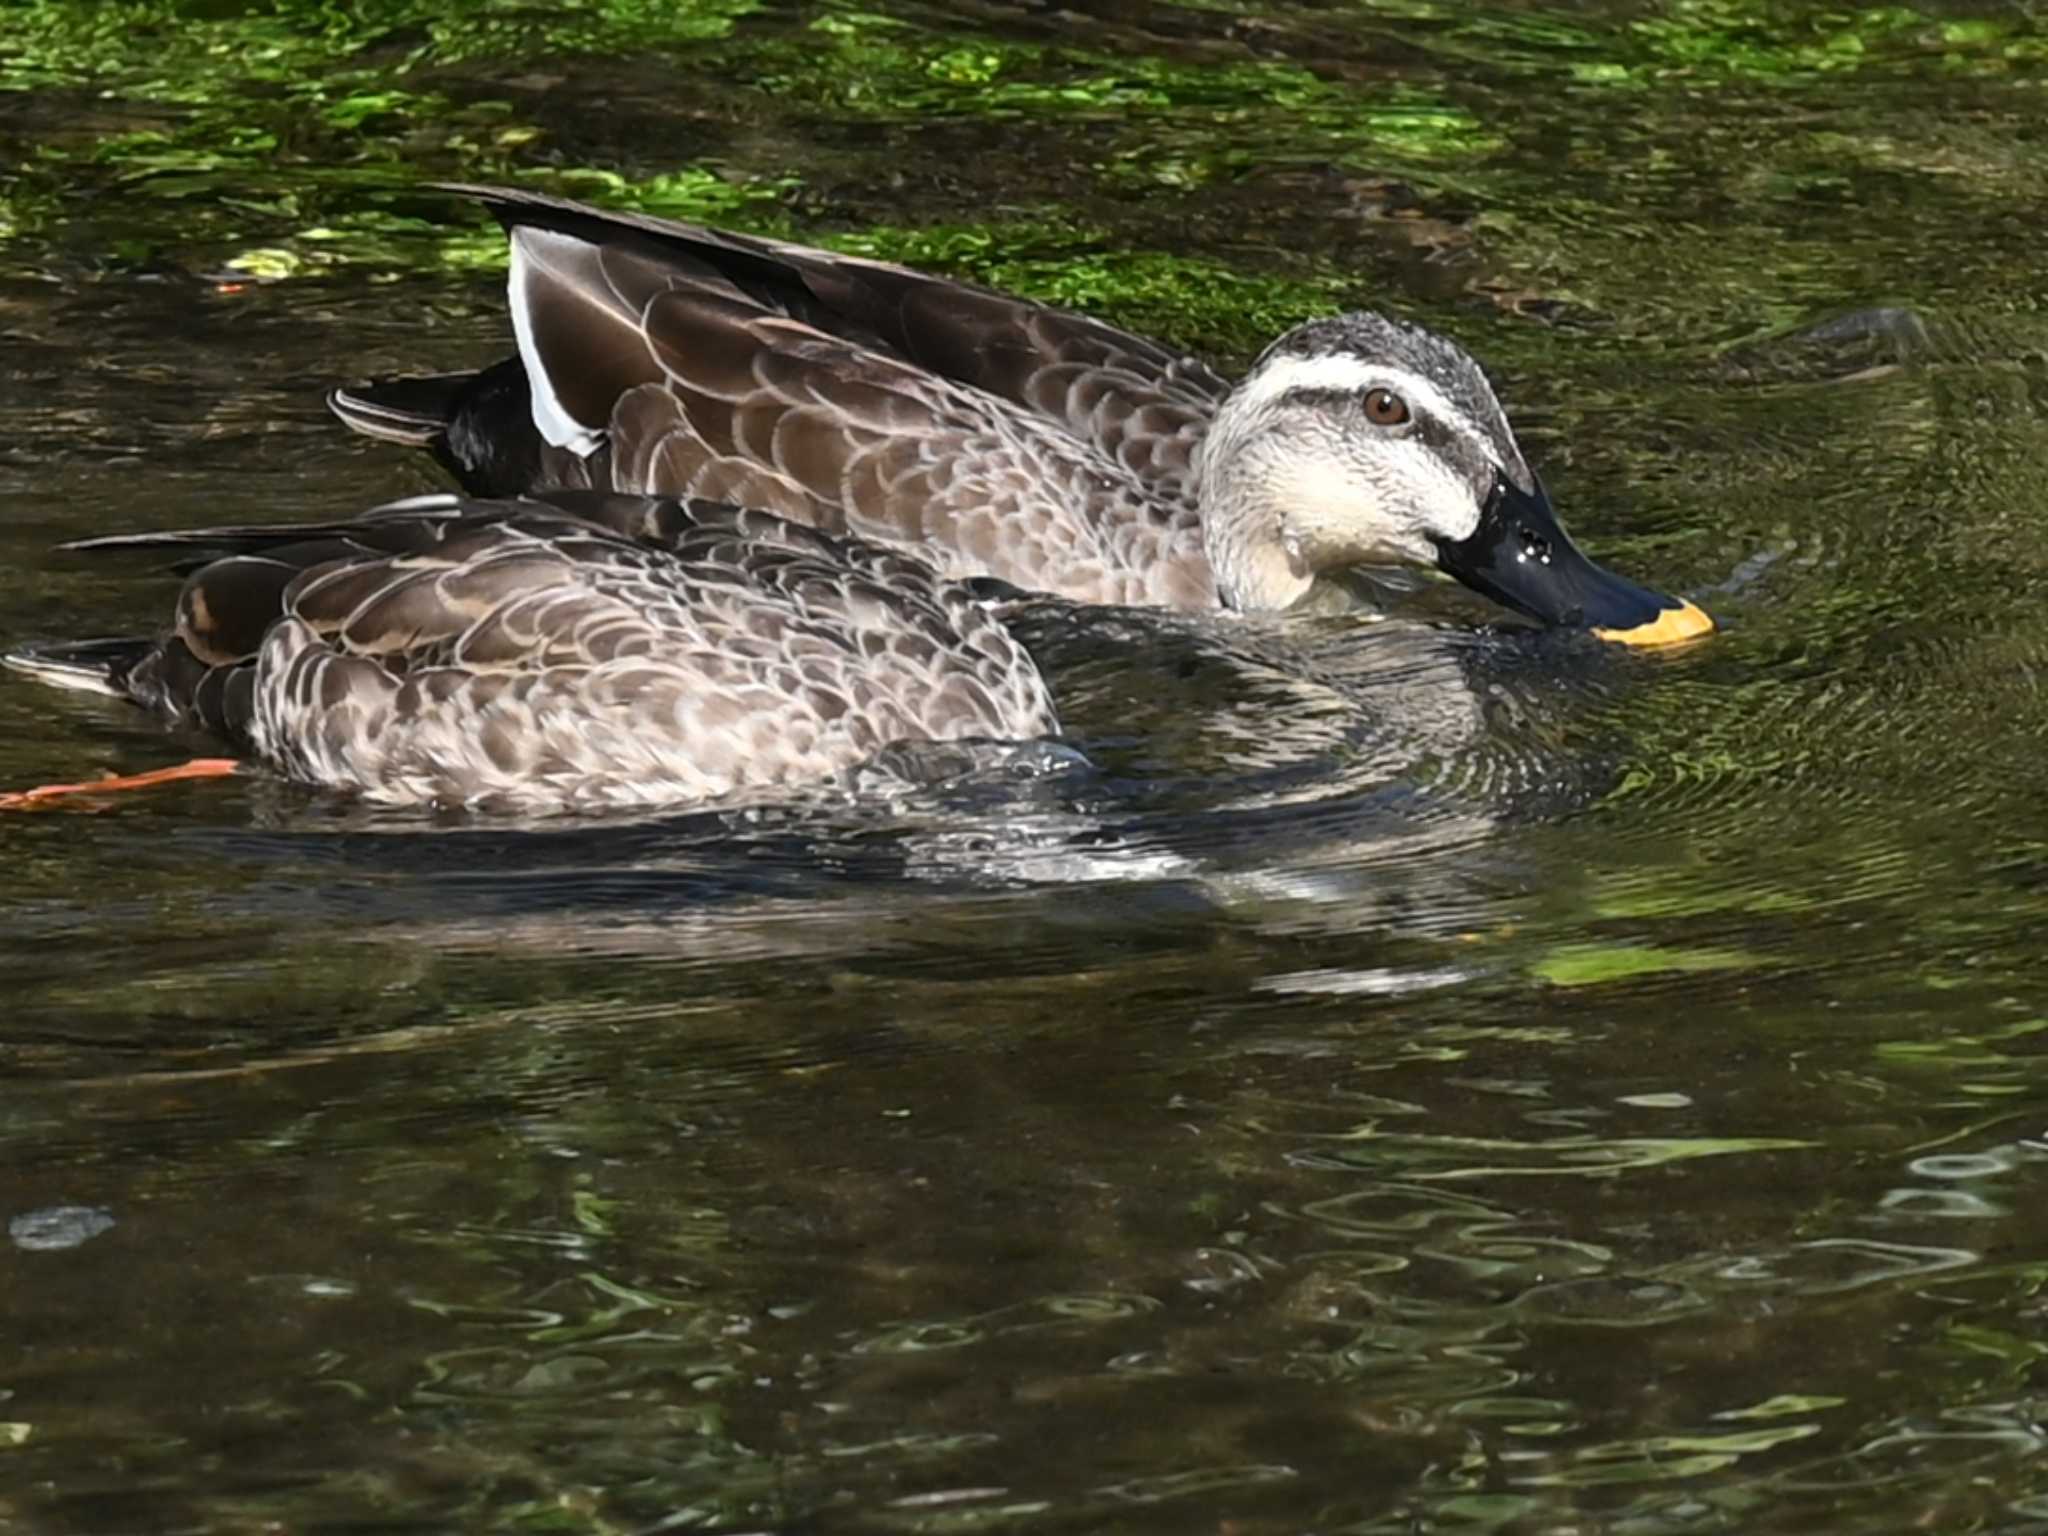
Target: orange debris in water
column 197, row 768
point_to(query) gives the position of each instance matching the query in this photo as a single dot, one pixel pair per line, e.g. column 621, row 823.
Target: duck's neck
column 1243, row 526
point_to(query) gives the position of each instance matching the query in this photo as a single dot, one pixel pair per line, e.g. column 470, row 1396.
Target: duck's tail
column 106, row 667
column 479, row 425
column 84, row 666
column 412, row 411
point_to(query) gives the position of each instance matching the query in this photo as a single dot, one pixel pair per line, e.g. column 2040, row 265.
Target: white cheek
column 1438, row 504
column 1399, row 499
column 1389, row 505
column 1323, row 496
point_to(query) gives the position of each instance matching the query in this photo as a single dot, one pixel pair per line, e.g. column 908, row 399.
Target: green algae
column 1594, row 964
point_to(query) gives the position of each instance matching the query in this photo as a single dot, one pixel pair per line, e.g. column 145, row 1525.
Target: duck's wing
column 1028, row 353
column 689, row 388
column 595, row 650
column 406, row 583
column 1139, row 405
column 243, row 580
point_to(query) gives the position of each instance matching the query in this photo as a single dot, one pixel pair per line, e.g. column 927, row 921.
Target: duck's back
column 1004, row 438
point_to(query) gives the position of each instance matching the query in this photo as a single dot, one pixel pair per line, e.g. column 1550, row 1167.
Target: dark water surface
column 1410, row 1077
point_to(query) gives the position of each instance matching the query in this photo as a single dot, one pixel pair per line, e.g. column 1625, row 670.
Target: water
column 1409, row 1077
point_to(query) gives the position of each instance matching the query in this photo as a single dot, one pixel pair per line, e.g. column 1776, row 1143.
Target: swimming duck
column 999, row 437
column 572, row 651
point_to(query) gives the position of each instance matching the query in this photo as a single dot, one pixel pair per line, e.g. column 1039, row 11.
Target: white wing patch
column 536, row 250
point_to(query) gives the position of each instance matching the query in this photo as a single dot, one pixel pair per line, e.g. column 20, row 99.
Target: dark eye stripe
column 1321, row 397
column 1318, row 396
column 1457, row 440
column 1440, row 436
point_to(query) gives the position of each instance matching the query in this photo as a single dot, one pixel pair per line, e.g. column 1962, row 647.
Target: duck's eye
column 1384, row 408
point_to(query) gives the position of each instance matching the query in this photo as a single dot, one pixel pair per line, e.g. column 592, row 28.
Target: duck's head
column 1361, row 441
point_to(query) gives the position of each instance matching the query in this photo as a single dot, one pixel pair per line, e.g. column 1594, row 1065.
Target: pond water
column 1410, row 1077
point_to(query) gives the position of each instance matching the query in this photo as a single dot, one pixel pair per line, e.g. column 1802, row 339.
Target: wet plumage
column 579, row 652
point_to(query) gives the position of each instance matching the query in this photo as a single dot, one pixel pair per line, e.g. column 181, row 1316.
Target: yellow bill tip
column 1672, row 626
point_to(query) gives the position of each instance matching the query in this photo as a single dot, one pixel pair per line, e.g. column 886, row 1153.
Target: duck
column 565, row 651
column 996, row 436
